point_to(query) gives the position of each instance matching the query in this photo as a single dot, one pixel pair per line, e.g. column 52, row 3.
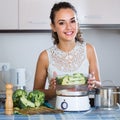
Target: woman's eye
column 73, row 21
column 61, row 23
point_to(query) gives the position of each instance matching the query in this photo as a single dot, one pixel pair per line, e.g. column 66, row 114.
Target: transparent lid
column 75, row 84
column 74, row 79
column 71, row 90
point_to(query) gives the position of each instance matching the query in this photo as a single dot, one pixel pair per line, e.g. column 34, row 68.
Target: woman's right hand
column 52, row 84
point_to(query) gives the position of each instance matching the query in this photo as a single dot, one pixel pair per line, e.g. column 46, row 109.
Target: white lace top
column 68, row 63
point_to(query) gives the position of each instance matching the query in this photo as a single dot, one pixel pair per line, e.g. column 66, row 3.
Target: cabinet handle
column 93, row 17
column 32, row 22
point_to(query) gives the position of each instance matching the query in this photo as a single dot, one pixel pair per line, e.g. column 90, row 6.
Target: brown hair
column 57, row 7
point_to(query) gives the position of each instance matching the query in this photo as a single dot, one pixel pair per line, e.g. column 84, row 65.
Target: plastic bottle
column 9, row 101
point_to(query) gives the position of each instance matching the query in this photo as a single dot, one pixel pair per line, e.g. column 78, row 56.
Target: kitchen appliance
column 72, row 98
column 18, row 78
column 4, row 78
column 107, row 97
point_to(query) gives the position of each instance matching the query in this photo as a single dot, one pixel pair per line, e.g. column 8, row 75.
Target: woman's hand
column 52, row 84
column 92, row 82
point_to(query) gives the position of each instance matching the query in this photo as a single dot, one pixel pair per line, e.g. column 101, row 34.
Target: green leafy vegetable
column 17, row 95
column 23, row 100
column 24, row 103
column 37, row 97
column 76, row 78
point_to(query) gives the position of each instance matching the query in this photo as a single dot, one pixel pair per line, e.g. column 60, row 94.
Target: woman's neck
column 66, row 47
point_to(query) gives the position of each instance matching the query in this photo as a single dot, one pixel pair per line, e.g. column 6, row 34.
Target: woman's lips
column 69, row 33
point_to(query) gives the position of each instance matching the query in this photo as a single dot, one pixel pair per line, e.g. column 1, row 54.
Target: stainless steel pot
column 107, row 97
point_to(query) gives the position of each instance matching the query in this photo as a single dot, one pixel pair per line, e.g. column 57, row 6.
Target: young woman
column 69, row 54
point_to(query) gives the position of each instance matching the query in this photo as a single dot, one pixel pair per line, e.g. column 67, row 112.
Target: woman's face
column 65, row 24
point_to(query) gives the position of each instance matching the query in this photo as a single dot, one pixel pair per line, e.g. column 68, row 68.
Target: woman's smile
column 69, row 33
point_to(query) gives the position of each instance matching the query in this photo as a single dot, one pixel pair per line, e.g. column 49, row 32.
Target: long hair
column 56, row 7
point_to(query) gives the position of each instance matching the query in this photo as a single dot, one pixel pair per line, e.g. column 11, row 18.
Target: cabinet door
column 8, row 14
column 98, row 11
column 34, row 14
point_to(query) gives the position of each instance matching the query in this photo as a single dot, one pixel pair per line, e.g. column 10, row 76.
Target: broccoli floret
column 16, row 96
column 21, row 100
column 75, row 79
column 24, row 103
column 37, row 97
column 59, row 80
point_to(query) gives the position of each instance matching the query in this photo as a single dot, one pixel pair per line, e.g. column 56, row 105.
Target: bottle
column 97, row 98
column 91, row 91
column 9, row 101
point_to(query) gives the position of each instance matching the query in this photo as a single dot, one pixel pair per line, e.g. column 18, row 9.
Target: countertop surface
column 92, row 114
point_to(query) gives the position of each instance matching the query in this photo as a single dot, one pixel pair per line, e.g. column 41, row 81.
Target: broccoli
column 75, row 79
column 16, row 96
column 37, row 97
column 23, row 100
column 24, row 103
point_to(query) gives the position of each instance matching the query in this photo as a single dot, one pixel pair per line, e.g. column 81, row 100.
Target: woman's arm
column 94, row 67
column 41, row 76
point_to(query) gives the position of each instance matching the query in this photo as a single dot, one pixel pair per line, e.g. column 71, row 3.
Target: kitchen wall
column 21, row 50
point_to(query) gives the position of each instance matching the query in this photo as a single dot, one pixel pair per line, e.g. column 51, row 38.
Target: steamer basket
column 72, row 90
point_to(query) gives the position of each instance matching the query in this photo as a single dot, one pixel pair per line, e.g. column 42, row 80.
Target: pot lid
column 103, row 87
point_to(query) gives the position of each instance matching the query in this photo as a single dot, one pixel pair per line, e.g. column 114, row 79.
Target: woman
column 69, row 54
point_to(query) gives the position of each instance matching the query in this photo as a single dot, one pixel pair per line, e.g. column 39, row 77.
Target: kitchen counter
column 93, row 114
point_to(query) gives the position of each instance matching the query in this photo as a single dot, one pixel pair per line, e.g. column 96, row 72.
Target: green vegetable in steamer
column 75, row 79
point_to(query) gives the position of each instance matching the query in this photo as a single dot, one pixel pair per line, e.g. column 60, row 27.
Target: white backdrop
column 21, row 50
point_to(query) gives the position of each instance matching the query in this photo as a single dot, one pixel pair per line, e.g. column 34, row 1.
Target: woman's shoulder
column 43, row 55
column 45, row 52
column 90, row 50
column 89, row 47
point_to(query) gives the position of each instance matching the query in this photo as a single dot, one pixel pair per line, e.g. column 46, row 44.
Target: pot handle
column 110, row 81
column 118, row 105
column 115, row 92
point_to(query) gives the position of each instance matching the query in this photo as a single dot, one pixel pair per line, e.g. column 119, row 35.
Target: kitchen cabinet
column 8, row 14
column 98, row 11
column 34, row 14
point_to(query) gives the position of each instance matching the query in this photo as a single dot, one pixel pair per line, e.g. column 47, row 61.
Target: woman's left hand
column 91, row 81
column 91, row 84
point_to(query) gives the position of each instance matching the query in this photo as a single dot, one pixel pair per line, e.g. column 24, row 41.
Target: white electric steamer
column 72, row 98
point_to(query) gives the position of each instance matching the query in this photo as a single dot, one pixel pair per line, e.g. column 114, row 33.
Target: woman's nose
column 68, row 26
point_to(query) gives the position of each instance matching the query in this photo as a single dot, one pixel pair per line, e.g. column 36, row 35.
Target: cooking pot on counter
column 107, row 97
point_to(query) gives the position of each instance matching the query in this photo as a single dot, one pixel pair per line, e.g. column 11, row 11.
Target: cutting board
column 40, row 110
